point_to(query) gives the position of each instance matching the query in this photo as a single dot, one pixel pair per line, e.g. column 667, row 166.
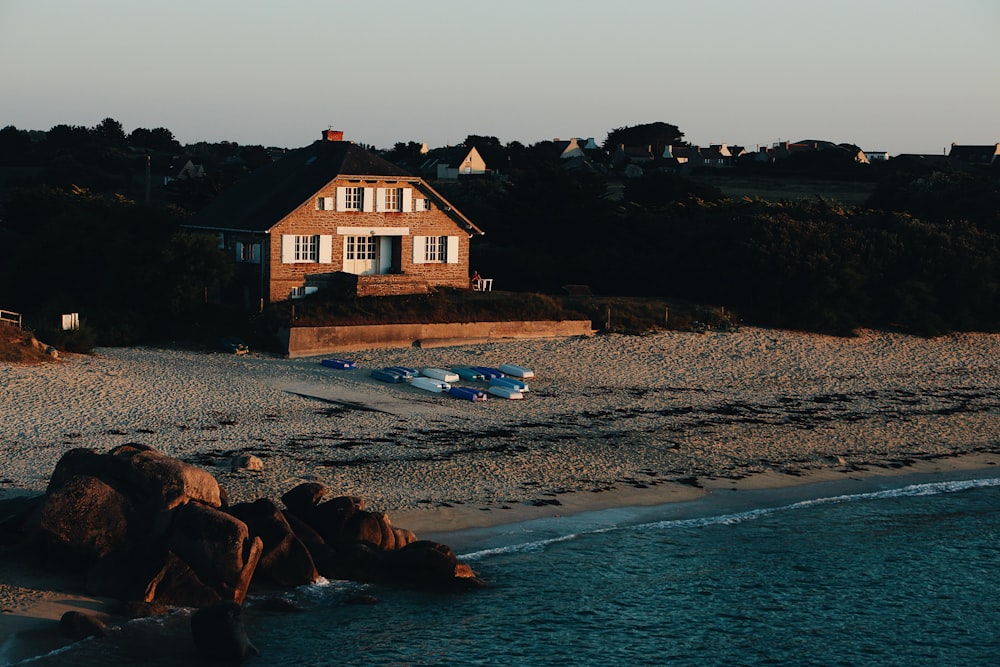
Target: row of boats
column 506, row 381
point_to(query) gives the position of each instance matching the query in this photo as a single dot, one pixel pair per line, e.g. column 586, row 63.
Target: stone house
column 335, row 216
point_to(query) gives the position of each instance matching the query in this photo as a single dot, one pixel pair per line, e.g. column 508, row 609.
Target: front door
column 361, row 255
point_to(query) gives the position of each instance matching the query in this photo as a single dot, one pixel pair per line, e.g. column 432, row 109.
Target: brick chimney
column 333, row 135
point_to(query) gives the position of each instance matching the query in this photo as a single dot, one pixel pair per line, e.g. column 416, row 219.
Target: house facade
column 334, row 216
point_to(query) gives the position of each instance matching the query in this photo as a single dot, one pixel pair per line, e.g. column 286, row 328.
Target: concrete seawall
column 309, row 341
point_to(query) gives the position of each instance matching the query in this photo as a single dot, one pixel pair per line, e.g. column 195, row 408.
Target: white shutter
column 287, row 248
column 419, row 204
column 368, row 203
column 239, row 251
column 419, row 249
column 407, row 200
column 255, row 253
column 453, row 250
column 380, row 199
column 325, row 249
column 328, row 203
column 341, row 198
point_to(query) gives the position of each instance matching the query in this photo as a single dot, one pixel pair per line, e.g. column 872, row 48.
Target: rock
column 329, row 518
column 15, row 516
column 217, row 546
column 83, row 520
column 80, row 625
column 302, row 499
column 218, row 633
column 363, row 526
column 125, row 574
column 284, row 560
column 246, row 462
column 428, row 564
column 177, row 585
column 170, row 480
column 324, row 555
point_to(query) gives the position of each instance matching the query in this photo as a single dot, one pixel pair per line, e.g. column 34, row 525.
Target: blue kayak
column 388, row 375
column 467, row 393
column 342, row 364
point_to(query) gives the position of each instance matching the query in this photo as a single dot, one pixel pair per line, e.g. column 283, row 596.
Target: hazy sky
column 896, row 75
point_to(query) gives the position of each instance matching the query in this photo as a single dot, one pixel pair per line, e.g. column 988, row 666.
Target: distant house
column 453, row 163
column 333, row 215
column 982, row 155
column 877, row 156
column 184, row 169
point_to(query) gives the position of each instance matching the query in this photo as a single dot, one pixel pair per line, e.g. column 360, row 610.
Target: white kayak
column 440, row 374
column 430, row 384
column 504, row 392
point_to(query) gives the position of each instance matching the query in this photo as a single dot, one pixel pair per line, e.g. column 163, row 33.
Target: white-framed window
column 435, row 249
column 306, row 249
column 354, row 198
column 420, row 204
column 297, row 249
column 325, row 204
column 393, row 199
column 300, row 292
column 359, row 247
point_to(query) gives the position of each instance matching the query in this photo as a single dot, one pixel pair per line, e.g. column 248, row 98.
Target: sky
column 903, row 76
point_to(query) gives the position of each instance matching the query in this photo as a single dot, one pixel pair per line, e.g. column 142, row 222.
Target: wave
column 912, row 490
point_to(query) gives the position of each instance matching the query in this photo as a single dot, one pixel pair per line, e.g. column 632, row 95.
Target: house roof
column 259, row 201
column 981, row 154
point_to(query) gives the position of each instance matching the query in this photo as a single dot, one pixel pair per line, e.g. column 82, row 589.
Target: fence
column 10, row 316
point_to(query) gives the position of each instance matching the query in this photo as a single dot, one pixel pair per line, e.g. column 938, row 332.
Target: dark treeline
column 918, row 263
column 922, row 255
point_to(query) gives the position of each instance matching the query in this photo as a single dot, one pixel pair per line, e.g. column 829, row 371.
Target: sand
column 609, row 421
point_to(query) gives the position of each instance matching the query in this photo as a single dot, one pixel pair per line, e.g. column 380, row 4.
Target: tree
column 109, row 132
column 658, row 135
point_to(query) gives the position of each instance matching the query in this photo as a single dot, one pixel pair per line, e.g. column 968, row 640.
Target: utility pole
column 149, row 183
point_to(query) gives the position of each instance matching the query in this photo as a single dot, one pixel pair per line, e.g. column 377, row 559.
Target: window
column 436, row 249
column 353, row 198
column 248, row 252
column 359, row 247
column 325, row 204
column 306, row 249
column 297, row 249
column 393, row 198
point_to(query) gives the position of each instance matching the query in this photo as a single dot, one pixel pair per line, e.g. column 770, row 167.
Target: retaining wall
column 309, row 341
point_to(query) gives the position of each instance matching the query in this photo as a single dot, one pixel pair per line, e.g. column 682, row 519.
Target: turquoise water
column 888, row 576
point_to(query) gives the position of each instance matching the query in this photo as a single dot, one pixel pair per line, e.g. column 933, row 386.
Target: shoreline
column 440, row 523
column 610, row 422
column 35, row 599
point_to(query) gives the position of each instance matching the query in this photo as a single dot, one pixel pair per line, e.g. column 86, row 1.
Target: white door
column 360, row 255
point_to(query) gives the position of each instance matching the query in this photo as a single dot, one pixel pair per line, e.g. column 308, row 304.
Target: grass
column 608, row 314
column 19, row 346
column 778, row 188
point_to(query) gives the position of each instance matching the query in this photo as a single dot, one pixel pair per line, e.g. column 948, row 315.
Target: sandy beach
column 609, row 421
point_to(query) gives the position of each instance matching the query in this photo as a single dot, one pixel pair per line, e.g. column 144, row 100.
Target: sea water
column 905, row 575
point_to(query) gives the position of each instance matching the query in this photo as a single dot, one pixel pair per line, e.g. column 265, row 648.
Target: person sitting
column 475, row 282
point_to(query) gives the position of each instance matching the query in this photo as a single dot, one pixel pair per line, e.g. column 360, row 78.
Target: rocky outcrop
column 147, row 528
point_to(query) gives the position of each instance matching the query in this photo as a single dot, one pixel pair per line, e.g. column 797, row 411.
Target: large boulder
column 330, row 517
column 428, row 564
column 302, row 499
column 219, row 634
column 284, row 560
column 168, row 481
column 217, row 546
column 82, row 520
column 177, row 585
